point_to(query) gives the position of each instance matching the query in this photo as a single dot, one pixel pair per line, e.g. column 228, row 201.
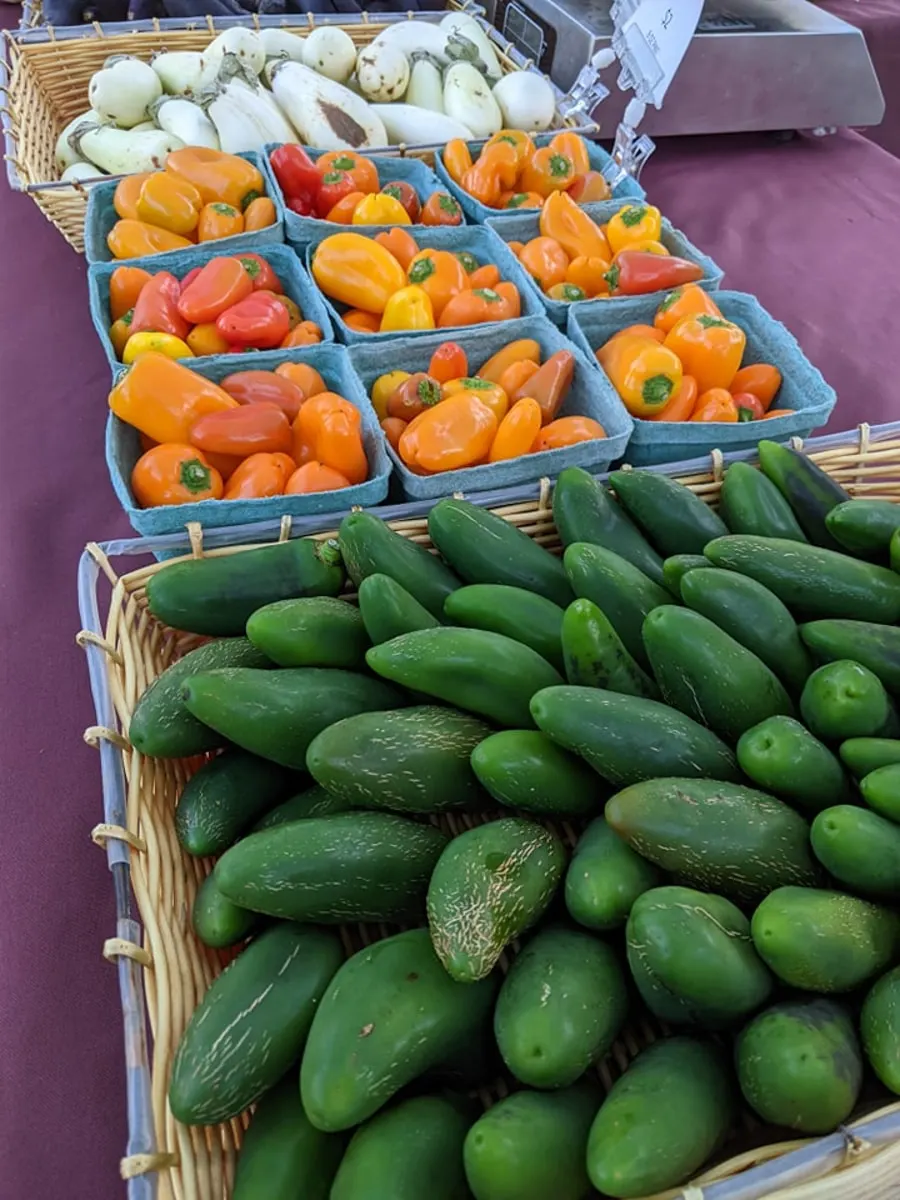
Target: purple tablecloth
column 811, row 227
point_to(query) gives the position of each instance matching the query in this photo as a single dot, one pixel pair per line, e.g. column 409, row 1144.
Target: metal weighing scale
column 772, row 65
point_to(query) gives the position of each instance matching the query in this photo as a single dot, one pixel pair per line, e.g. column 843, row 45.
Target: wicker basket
column 47, row 76
column 163, row 968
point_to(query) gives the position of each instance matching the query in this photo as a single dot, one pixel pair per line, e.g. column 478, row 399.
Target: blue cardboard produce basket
column 101, row 216
column 589, row 396
column 526, row 225
column 301, row 231
column 627, row 189
column 803, row 389
column 287, row 266
column 123, row 449
column 473, row 238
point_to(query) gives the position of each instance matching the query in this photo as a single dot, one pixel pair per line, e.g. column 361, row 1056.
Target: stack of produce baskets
column 165, row 969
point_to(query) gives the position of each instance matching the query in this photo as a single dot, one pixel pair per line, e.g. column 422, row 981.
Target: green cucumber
column 483, row 548
column 523, row 616
column 874, row 646
column 799, row 1065
column 595, row 656
column 845, row 700
column 480, row 672
column 709, row 676
column 489, row 885
column 749, row 502
column 864, row 527
column 859, row 848
column 881, row 789
column 217, row 595
column 251, row 1026
column 619, row 590
column 283, row 1156
column 753, row 616
column 560, row 1008
column 604, row 878
column 692, row 958
column 370, row 547
column 530, row 1146
column 161, row 726
column 822, row 941
column 781, row 756
column 314, row 802
column 662, row 1119
column 523, row 769
column 388, row 609
column 351, row 866
column 225, row 797
column 314, row 631
column 895, row 551
column 811, row 493
column 413, row 760
column 586, row 511
column 389, row 1015
column 677, row 566
column 216, row 921
column 715, row 836
column 862, row 756
column 673, row 518
column 276, row 714
column 406, row 1152
column 627, row 739
column 878, row 1025
column 811, row 581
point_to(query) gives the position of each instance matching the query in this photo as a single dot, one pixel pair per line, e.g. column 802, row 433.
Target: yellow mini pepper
column 634, row 223
column 379, row 209
column 408, row 308
column 645, row 374
column 382, row 390
column 357, row 271
column 169, row 202
column 159, row 343
column 163, row 399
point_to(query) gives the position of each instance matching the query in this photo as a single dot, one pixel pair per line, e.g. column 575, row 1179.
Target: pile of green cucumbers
column 701, row 703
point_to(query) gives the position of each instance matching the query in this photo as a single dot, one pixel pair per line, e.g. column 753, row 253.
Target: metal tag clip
column 631, row 149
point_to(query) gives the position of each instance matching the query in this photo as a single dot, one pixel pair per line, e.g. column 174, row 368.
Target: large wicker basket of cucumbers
column 533, row 853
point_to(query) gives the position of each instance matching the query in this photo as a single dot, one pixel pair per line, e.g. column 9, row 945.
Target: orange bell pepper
column 393, row 429
column 521, row 350
column 259, row 214
column 545, row 260
column 455, row 433
column 568, row 293
column 645, row 331
column 574, row 147
column 206, row 339
column 259, row 476
column 120, row 332
column 457, row 159
column 137, row 239
column 357, row 271
column 217, row 176
column 490, row 394
column 517, row 375
column 440, row 275
column 361, row 322
column 579, row 236
column 493, row 172
column 306, row 378
column 156, row 311
column 509, row 297
column 169, row 202
column 361, row 170
column 408, row 308
column 517, row 200
column 125, row 286
column 441, row 209
column 304, row 333
column 588, row 272
column 474, row 308
column 330, row 426
column 645, row 374
column 761, row 380
column 715, row 404
column 487, row 276
column 341, row 212
column 413, row 395
column 219, row 220
column 517, row 431
column 173, row 473
column 568, row 431
column 710, row 349
column 127, row 193
column 519, row 140
column 315, row 477
column 448, row 362
column 682, row 404
column 547, row 171
column 264, row 387
column 380, row 209
column 400, row 243
column 635, row 222
column 245, row 430
column 686, row 301
column 163, row 399
column 220, row 283
column 550, row 384
column 589, row 187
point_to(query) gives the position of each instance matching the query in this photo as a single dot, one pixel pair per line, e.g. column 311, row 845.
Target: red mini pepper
column 335, row 186
column 156, row 308
column 259, row 320
column 219, row 285
column 261, row 272
column 265, row 387
column 303, row 206
column 636, row 272
column 250, row 429
column 296, row 172
column 189, row 278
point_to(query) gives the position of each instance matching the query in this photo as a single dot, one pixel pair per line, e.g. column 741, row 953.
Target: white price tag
column 651, row 42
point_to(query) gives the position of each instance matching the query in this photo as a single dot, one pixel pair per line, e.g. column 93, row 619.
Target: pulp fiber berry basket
column 285, row 263
column 803, row 389
column 101, row 216
column 164, row 970
column 525, row 226
column 588, row 397
column 123, row 449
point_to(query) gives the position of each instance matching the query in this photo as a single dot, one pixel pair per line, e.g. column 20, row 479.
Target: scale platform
column 773, row 65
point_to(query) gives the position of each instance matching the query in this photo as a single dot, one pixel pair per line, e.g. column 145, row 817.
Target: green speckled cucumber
column 216, row 921
column 605, row 877
column 523, row 616
column 313, row 631
column 860, row 849
column 875, row 646
column 413, row 760
column 560, row 1007
column 863, row 756
column 864, row 526
column 809, row 490
column 751, row 503
column 846, row 700
column 370, row 547
column 389, row 610
column 595, row 655
column 780, row 755
column 314, row 802
column 879, row 1023
column 799, row 1065
column 673, row 518
column 523, row 769
column 490, row 884
column 677, row 566
column 719, row 837
column 251, row 1025
column 824, row 941
column 881, row 790
column 662, row 1120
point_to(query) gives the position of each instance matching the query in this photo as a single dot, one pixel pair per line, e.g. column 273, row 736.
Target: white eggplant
column 527, row 101
column 245, row 121
column 468, row 98
column 123, row 89
column 79, row 171
column 382, row 72
column 324, row 113
column 413, row 36
column 65, row 154
column 185, row 119
column 121, row 151
column 179, row 71
column 278, row 43
column 465, row 26
column 411, row 126
column 426, row 87
column 239, row 41
column 144, row 126
column 330, row 52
